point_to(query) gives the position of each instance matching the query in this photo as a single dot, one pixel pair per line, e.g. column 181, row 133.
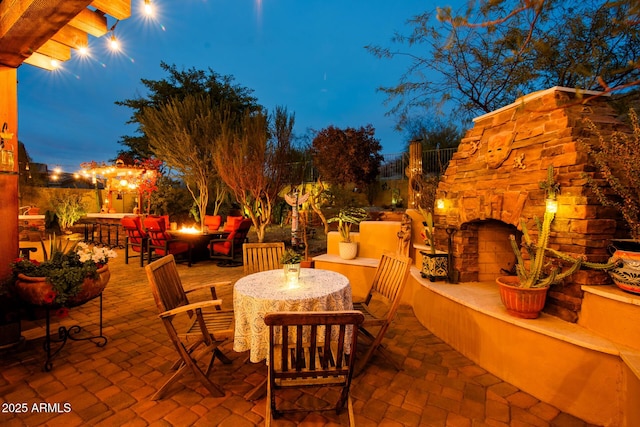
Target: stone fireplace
column 492, row 183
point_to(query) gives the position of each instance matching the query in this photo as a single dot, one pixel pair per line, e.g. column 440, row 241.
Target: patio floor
column 112, row 385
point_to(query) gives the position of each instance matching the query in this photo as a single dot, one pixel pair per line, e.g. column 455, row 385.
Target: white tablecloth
column 267, row 291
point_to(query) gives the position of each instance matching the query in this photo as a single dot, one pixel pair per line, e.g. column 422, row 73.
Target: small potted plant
column 291, row 261
column 524, row 295
column 617, row 158
column 346, row 218
column 435, row 264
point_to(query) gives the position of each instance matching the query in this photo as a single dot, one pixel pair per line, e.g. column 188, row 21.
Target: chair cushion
column 174, row 248
column 222, row 248
column 232, row 223
column 212, row 222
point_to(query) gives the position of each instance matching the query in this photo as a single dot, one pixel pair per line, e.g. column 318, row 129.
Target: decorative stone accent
column 495, row 176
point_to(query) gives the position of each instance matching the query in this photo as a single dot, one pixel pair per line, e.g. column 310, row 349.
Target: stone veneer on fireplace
column 492, row 183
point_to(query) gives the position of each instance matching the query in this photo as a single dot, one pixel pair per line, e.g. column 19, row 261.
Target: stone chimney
column 492, row 183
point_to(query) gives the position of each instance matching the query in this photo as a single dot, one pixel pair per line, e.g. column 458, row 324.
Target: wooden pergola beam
column 91, row 22
column 119, row 9
column 26, row 25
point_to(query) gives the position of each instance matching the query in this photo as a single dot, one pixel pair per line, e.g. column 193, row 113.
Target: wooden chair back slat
column 258, row 257
column 317, row 357
column 166, row 284
column 389, row 282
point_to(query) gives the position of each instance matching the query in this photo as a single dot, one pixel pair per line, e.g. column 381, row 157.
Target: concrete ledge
column 359, row 261
column 564, row 364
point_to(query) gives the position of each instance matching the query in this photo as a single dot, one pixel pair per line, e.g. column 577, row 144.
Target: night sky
column 306, row 55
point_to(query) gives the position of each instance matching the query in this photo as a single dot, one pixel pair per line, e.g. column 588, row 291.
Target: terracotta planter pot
column 33, row 290
column 525, row 303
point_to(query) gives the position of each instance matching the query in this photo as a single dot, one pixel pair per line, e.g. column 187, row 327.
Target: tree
column 177, row 86
column 181, row 133
column 254, row 161
column 433, row 133
column 347, row 156
column 497, row 50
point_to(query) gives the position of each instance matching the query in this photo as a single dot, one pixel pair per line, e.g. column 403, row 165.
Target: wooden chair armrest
column 206, row 286
column 191, row 307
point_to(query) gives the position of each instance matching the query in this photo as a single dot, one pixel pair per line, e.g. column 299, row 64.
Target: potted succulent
column 291, row 261
column 524, row 295
column 71, row 275
column 617, row 159
column 435, row 264
column 346, row 218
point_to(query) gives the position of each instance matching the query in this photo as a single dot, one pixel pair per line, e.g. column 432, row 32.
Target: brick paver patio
column 111, row 386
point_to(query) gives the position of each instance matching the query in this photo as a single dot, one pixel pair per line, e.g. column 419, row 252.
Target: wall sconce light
column 551, row 205
column 440, row 203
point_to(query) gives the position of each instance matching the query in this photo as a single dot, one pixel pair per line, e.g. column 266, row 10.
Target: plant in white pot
column 616, row 157
column 524, row 295
column 346, row 218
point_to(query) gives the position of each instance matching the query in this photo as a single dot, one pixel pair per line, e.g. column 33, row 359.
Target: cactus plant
column 533, row 275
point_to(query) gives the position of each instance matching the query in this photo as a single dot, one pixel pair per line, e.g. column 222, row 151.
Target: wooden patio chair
column 205, row 329
column 380, row 305
column 262, row 256
column 311, row 356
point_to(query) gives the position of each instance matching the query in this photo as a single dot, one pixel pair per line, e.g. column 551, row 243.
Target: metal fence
column 433, row 162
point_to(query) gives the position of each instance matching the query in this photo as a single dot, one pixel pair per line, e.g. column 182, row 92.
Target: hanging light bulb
column 83, row 50
column 148, row 9
column 113, row 42
column 55, row 63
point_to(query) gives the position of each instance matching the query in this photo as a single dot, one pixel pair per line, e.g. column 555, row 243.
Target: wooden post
column 415, row 171
column 9, row 179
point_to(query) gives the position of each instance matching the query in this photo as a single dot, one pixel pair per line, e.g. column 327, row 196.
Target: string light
column 113, row 42
column 148, row 9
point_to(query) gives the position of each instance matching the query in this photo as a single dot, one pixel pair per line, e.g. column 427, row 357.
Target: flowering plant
column 65, row 270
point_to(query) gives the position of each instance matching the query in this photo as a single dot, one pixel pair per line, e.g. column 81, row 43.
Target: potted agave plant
column 617, row 159
column 524, row 295
column 346, row 218
column 435, row 264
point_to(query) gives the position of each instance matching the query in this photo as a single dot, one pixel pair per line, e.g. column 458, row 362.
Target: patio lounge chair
column 136, row 240
column 230, row 247
column 162, row 243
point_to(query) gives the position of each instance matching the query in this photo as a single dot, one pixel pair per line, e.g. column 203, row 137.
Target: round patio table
column 260, row 293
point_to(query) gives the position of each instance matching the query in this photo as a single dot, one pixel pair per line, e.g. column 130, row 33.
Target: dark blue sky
column 307, row 55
